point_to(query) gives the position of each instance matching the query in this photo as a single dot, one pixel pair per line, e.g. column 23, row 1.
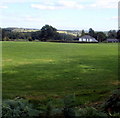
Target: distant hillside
column 15, row 29
column 71, row 32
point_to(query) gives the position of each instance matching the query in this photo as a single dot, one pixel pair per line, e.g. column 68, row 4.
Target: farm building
column 111, row 40
column 87, row 38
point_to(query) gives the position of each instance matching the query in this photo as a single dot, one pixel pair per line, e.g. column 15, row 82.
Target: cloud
column 75, row 4
column 113, row 18
column 70, row 4
column 3, row 7
column 17, row 1
column 58, row 5
column 104, row 4
column 43, row 7
column 66, row 4
column 32, row 19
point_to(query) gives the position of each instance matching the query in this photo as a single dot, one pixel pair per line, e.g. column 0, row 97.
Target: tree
column 82, row 33
column 4, row 33
column 91, row 32
column 30, row 38
column 118, row 35
column 100, row 36
column 112, row 34
column 65, row 37
column 36, row 35
column 48, row 32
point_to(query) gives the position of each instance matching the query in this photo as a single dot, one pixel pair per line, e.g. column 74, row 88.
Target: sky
column 100, row 15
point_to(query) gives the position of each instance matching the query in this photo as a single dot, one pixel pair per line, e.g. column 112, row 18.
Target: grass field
column 37, row 70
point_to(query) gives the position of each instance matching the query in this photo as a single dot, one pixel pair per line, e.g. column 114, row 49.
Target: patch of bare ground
column 117, row 82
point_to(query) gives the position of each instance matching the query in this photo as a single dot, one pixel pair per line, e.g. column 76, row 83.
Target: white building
column 87, row 38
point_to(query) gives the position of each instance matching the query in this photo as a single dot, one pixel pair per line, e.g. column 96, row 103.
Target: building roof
column 87, row 37
column 112, row 40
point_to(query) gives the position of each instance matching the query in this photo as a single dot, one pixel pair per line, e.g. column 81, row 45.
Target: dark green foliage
column 118, row 35
column 82, row 33
column 29, row 39
column 11, row 35
column 36, row 35
column 91, row 32
column 49, row 110
column 18, row 108
column 65, row 37
column 48, row 32
column 100, row 36
column 112, row 34
column 70, row 111
column 90, row 112
column 112, row 104
column 69, row 103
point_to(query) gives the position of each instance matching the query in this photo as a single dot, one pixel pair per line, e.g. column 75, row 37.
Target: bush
column 18, row 109
column 90, row 112
column 70, row 111
column 112, row 104
column 69, row 103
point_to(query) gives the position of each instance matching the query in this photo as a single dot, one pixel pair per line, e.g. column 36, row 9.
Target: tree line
column 48, row 32
column 101, row 36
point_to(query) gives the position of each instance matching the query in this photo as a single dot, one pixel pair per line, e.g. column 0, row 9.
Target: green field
column 38, row 70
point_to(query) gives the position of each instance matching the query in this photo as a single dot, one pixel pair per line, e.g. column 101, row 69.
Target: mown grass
column 39, row 70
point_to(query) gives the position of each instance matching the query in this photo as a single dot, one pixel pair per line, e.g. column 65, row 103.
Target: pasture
column 40, row 70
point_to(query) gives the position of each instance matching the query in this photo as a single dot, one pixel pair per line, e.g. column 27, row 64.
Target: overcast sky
column 61, row 14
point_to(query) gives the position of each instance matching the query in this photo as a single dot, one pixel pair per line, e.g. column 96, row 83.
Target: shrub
column 90, row 112
column 70, row 111
column 18, row 109
column 112, row 104
column 69, row 103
